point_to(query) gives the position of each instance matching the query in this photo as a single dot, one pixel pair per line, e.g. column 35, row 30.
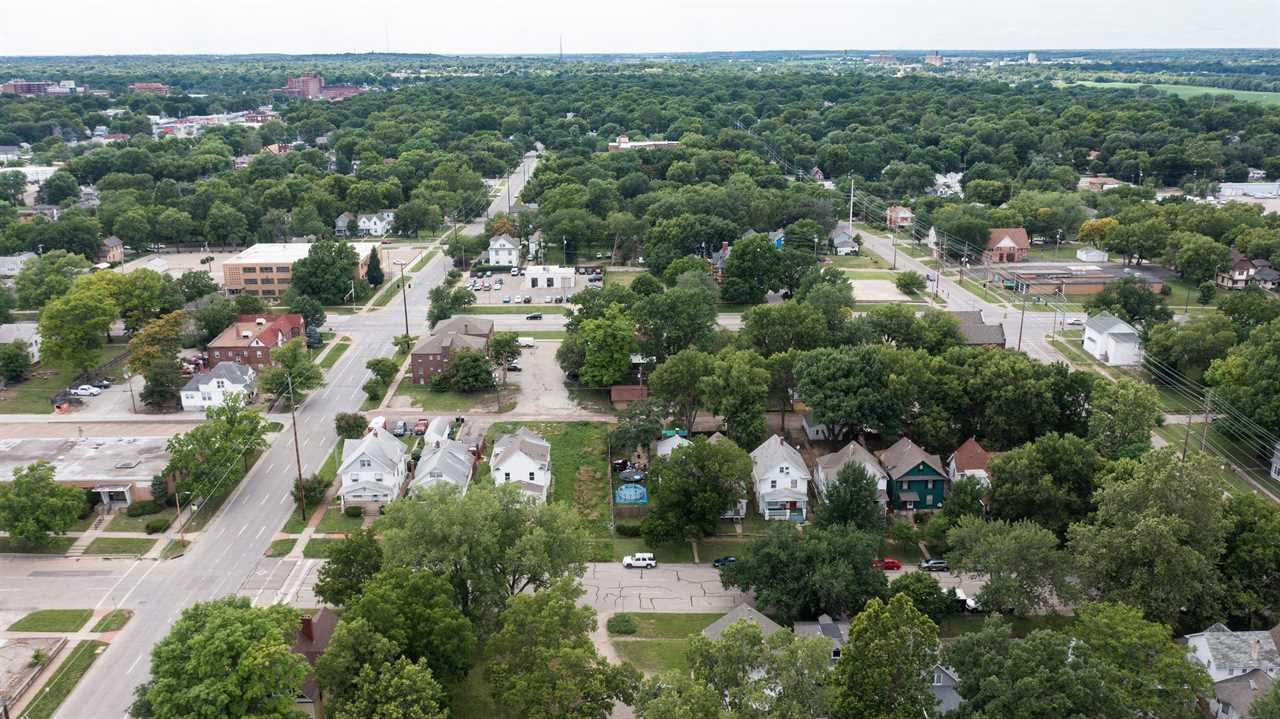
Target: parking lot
column 505, row 288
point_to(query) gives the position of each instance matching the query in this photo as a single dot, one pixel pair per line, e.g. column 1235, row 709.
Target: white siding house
column 210, row 389
column 377, row 223
column 1112, row 341
column 524, row 459
column 1090, row 254
column 443, row 460
column 1241, row 664
column 372, row 472
column 781, row 480
column 504, row 250
column 829, row 467
column 26, row 333
column 1275, row 462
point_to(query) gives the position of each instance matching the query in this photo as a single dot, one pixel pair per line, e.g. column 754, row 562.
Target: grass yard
column 31, row 396
column 120, row 545
column 1074, row 352
column 56, row 545
column 335, row 522
column 335, row 353
column 954, row 626
column 1053, row 253
column 1187, row 91
column 174, row 548
column 665, row 625
column 64, row 680
column 390, row 292
column 53, row 620
column 865, row 261
column 912, row 249
column 113, row 621
column 981, row 291
column 625, row 279
column 615, row 548
column 122, row 522
column 654, row 656
column 516, row 309
column 578, row 465
column 423, row 398
column 422, row 261
column 543, row 334
column 281, row 547
column 905, row 553
column 871, row 274
column 1224, row 446
column 320, row 548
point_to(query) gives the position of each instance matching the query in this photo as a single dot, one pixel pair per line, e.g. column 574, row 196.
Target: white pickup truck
column 642, row 560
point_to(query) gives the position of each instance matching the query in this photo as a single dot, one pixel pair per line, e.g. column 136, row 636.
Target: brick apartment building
column 266, row 269
column 250, row 339
column 450, row 336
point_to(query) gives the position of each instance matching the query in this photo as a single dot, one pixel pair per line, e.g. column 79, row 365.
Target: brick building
column 450, row 336
column 250, row 339
column 266, row 269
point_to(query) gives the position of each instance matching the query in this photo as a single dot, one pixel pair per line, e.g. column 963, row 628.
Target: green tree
column 695, row 485
column 394, row 690
column 328, row 273
column 1026, row 572
column 1049, row 481
column 1131, row 299
column 246, row 304
column 639, row 423
column 469, row 371
column 350, row 425
column 801, row 575
column 415, row 609
column 163, row 386
column 311, row 310
column 546, row 665
column 227, row 658
column 225, row 225
column 195, row 284
column 608, row 342
column 1250, row 564
column 909, row 282
column 48, row 276
column 885, row 665
column 73, row 328
column 1122, row 415
column 384, row 368
column 1267, row 706
column 1189, row 347
column 373, row 273
column 213, row 318
column 688, row 263
column 504, row 349
column 646, row 285
column 352, row 564
column 925, row 593
column 677, row 382
column 355, row 644
column 753, row 266
column 787, row 325
column 737, row 389
column 13, row 184
column 1244, row 378
column 33, row 506
column 851, row 500
column 173, row 225
column 1247, row 309
column 670, row 321
column 15, row 361
column 61, row 185
column 1200, row 258
column 144, row 295
column 292, row 374
column 446, row 302
column 158, row 340
column 489, row 543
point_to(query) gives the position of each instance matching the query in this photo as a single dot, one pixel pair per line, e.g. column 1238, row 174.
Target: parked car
column 513, row 367
column 526, row 342
column 103, row 383
column 400, row 428
column 723, row 562
column 968, row 603
column 85, row 390
column 515, row 271
column 506, row 299
column 533, row 316
column 642, row 560
column 528, row 299
column 934, row 565
column 517, row 299
column 886, row 563
column 421, row 427
column 1075, row 322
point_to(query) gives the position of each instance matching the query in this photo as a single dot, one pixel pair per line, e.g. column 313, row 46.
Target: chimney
column 308, row 628
column 1257, row 649
column 260, row 321
column 246, row 334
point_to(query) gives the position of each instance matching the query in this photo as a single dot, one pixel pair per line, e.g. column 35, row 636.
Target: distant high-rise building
column 933, row 58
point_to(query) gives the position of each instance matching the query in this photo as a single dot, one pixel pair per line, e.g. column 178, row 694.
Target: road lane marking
column 141, row 579
column 134, row 665
column 113, row 586
column 242, row 529
column 259, row 534
column 282, row 498
column 271, row 467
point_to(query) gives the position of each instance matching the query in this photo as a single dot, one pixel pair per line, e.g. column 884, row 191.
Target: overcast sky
column 89, row 27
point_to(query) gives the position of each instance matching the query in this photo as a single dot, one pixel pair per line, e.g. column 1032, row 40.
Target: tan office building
column 266, row 269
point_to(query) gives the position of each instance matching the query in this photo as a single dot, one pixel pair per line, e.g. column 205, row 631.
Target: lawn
column 320, row 548
column 1083, row 360
column 625, row 279
column 578, row 468
column 1222, row 444
column 912, row 249
column 425, row 399
column 120, row 545
column 122, row 522
column 113, row 621
column 981, row 292
column 422, row 261
column 56, row 545
column 336, row 352
column 1053, row 253
column 53, row 620
column 64, row 680
column 543, row 334
column 654, row 656
column 865, row 261
column 325, row 338
column 390, row 292
column 329, row 470
column 31, row 396
column 1186, row 91
column 281, row 547
column 664, row 625
column 516, row 309
column 906, row 553
column 174, row 548
column 335, row 522
column 871, row 274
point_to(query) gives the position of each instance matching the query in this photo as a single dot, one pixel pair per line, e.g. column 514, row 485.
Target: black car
column 513, row 367
column 400, row 428
column 103, row 383
column 723, row 562
column 533, row 316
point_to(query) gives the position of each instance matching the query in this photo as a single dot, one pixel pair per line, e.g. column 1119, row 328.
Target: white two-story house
column 372, row 472
column 210, row 388
column 781, row 480
column 504, row 250
column 376, row 224
column 523, row 458
column 443, row 460
column 829, row 467
column 1242, row 666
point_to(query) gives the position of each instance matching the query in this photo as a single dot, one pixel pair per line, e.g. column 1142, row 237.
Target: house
column 1238, row 274
column 9, row 153
column 743, row 612
column 829, row 466
column 835, row 632
column 443, row 460
column 112, row 250
column 1090, row 254
column 843, row 243
column 376, row 224
column 250, row 339
column 11, row 265
column 943, row 686
column 1241, row 665
column 778, row 238
column 719, row 258
column 342, row 224
column 462, row 332
column 969, row 460
column 781, row 480
column 548, row 277
column 815, row 431
column 372, row 472
column 625, row 143
column 1112, row 341
column 1267, row 277
column 621, row 395
column 917, row 479
column 523, row 458
column 665, row 446
column 437, row 428
column 504, row 250
column 1006, row 244
column 897, row 216
column 816, row 174
column 25, row 333
column 982, row 335
column 211, row 387
column 947, row 185
column 314, row 634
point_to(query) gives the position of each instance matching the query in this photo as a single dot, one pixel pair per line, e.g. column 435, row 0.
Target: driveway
column 541, row 381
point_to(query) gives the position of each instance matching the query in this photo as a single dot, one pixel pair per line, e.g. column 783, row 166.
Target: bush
column 142, row 508
column 350, row 425
column 909, row 283
column 1166, row 290
column 157, row 525
column 439, row 383
column 621, row 624
column 354, row 511
column 313, row 489
column 375, row 388
column 628, row 530
column 1208, row 291
column 904, row 532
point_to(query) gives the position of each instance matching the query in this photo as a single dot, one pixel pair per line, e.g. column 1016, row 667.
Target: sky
column 93, row 27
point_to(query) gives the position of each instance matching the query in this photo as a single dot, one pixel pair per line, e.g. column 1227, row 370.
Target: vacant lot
column 578, row 467
column 52, row 620
column 31, row 396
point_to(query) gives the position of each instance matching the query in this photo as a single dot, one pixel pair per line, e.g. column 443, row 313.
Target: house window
column 206, row 396
column 267, row 269
column 365, row 464
column 220, row 384
column 250, row 281
column 249, row 270
column 773, row 484
column 784, row 470
column 259, row 353
column 931, row 484
column 217, row 353
column 268, row 280
column 533, row 281
column 793, row 484
column 835, row 653
column 904, row 485
column 506, row 476
column 283, row 268
column 531, row 479
column 551, row 282
column 377, row 477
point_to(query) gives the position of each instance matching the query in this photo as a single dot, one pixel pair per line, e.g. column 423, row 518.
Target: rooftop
column 289, row 251
column 904, row 455
column 89, row 459
column 743, row 612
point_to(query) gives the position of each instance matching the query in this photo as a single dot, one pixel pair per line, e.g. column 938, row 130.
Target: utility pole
column 297, row 453
column 1023, row 318
column 403, row 296
column 1204, row 435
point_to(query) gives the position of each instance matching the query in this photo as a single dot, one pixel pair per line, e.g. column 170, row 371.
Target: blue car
column 723, row 562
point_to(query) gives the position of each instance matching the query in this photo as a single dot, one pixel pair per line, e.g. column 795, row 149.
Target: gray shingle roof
column 741, row 612
column 774, row 452
column 444, row 460
column 831, row 464
column 1240, row 691
column 974, row 334
column 380, row 446
column 523, row 441
column 232, row 372
column 904, row 455
column 1108, row 324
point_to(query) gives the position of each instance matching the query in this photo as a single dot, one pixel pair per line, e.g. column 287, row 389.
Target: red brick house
column 1006, row 244
column 250, row 339
column 450, row 336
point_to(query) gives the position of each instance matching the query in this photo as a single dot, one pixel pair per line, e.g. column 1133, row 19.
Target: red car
column 886, row 563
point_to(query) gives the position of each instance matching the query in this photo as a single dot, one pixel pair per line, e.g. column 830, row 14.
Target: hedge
column 141, row 508
column 157, row 525
column 621, row 624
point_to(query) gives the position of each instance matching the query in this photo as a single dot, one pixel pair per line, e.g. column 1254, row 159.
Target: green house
column 917, row 479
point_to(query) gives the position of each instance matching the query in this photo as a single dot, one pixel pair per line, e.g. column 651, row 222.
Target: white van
column 525, row 341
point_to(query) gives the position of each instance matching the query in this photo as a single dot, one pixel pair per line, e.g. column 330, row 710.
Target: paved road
column 228, row 557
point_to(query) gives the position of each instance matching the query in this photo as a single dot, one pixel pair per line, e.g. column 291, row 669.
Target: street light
column 403, row 292
column 128, row 380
